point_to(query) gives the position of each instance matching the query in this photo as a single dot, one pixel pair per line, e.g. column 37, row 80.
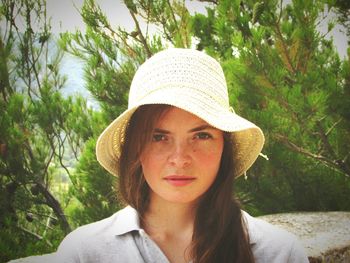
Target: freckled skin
column 182, row 145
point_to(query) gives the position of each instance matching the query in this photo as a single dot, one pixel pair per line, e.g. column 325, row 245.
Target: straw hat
column 190, row 80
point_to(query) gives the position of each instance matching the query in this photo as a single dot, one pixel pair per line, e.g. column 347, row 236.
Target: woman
column 176, row 151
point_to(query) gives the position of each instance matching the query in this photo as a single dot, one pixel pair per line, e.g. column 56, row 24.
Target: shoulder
column 93, row 229
column 273, row 244
column 93, row 241
column 125, row 220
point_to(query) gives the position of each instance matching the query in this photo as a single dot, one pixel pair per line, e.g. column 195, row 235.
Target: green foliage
column 94, row 189
column 38, row 129
column 287, row 78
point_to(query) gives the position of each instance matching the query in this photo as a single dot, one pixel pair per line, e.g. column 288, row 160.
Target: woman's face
column 183, row 158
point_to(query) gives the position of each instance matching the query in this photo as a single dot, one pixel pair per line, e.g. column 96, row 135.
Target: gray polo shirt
column 120, row 238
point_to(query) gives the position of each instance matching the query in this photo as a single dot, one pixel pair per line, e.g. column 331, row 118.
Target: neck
column 167, row 218
column 170, row 225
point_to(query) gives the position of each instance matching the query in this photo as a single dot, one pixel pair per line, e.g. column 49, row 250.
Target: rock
column 325, row 235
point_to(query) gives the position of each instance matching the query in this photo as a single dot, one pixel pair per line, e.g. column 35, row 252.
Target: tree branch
column 55, row 205
column 286, row 53
column 325, row 141
column 281, row 10
column 173, row 15
column 37, row 236
column 338, row 165
column 142, row 38
column 333, row 126
column 216, row 2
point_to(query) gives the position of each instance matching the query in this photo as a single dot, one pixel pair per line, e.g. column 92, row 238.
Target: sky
column 66, row 17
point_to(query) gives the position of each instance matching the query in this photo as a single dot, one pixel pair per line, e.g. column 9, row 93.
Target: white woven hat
column 190, row 80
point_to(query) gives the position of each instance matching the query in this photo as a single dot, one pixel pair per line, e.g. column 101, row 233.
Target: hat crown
column 171, row 70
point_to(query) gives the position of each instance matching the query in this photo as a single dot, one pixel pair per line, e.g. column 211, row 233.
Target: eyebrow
column 202, row 127
column 196, row 129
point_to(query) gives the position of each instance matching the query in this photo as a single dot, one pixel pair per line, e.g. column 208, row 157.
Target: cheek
column 208, row 153
column 150, row 161
column 211, row 159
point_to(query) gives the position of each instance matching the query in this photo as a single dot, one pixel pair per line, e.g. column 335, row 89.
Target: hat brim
column 247, row 138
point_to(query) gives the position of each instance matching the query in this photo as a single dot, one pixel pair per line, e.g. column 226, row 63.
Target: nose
column 180, row 155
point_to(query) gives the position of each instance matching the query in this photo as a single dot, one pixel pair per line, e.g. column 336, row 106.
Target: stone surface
column 325, row 235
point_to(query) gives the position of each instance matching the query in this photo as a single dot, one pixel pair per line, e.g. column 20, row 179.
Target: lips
column 179, row 180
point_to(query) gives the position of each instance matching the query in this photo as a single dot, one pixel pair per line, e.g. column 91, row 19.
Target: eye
column 159, row 137
column 203, row 136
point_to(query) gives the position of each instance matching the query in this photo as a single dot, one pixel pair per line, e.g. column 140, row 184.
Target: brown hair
column 220, row 234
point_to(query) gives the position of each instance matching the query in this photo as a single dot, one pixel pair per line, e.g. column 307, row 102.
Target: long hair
column 220, row 233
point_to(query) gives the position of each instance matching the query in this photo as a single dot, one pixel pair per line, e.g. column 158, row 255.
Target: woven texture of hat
column 179, row 69
column 186, row 79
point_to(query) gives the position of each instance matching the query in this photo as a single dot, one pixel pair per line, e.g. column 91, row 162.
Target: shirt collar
column 128, row 220
column 253, row 230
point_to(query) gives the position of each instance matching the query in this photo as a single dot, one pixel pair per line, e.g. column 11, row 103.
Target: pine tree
column 38, row 126
column 288, row 78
